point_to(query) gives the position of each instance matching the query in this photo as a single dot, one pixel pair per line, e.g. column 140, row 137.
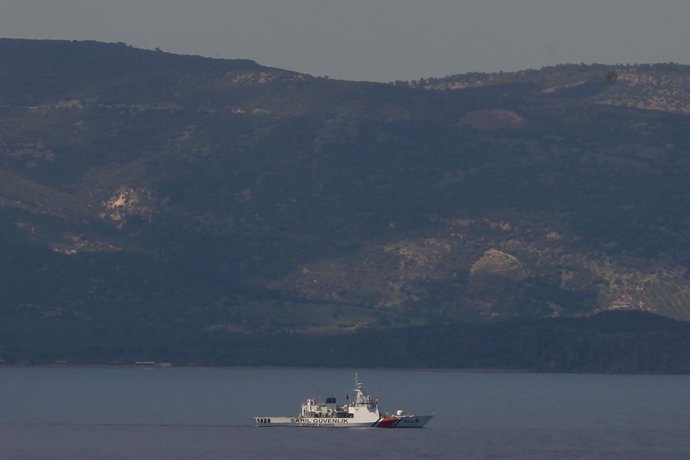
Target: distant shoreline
column 188, row 366
column 352, row 369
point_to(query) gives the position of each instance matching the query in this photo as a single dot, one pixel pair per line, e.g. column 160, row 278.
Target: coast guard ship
column 364, row 411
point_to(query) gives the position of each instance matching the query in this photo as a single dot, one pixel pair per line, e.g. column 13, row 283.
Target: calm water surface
column 121, row 413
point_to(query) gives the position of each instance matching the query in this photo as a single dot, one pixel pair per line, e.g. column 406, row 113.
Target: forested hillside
column 149, row 196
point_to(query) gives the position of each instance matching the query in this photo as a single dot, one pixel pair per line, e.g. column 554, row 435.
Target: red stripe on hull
column 388, row 422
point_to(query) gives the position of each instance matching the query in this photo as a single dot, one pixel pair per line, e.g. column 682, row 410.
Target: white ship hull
column 363, row 412
column 311, row 422
column 406, row 421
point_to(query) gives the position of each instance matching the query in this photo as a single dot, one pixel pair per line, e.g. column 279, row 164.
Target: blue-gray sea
column 193, row 413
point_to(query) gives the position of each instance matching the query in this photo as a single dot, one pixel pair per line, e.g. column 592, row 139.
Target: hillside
column 148, row 194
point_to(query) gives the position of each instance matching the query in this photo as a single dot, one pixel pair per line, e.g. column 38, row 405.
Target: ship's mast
column 360, row 397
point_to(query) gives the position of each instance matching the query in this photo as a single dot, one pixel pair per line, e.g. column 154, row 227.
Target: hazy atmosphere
column 214, row 219
column 380, row 40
